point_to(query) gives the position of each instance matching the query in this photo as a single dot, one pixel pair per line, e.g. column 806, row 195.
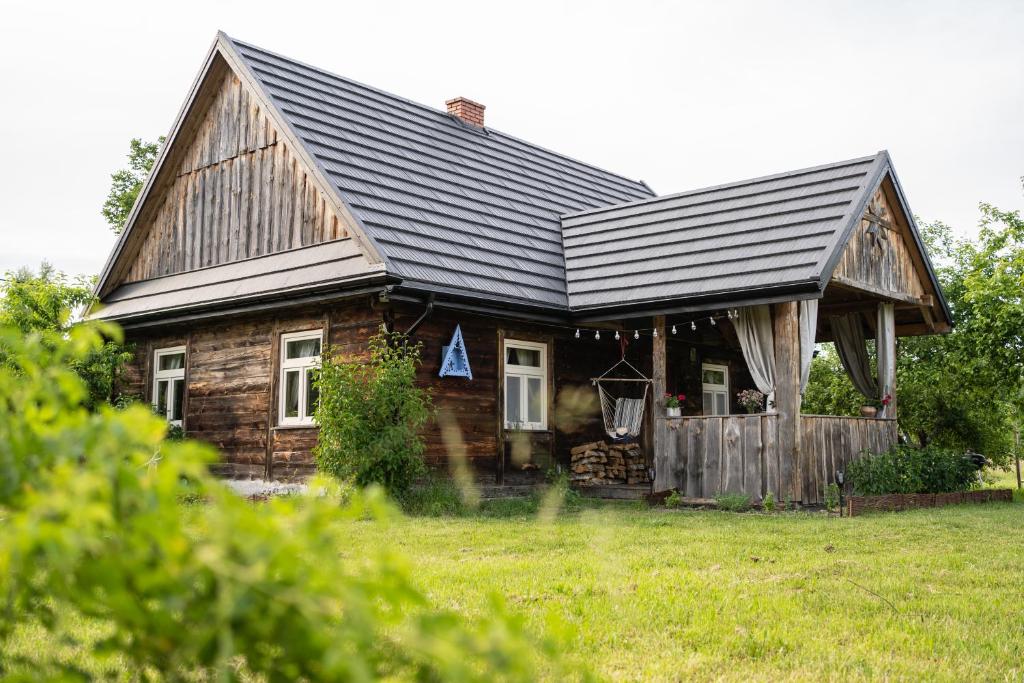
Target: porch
column 703, row 456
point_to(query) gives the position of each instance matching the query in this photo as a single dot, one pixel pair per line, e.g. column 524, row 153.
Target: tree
column 51, row 302
column 126, row 183
column 829, row 390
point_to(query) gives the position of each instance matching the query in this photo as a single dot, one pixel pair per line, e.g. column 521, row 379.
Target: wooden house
column 292, row 210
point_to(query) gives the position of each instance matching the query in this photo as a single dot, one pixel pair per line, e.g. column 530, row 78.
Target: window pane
column 709, row 403
column 291, row 393
column 721, row 404
column 303, row 348
column 161, row 397
column 528, row 357
column 714, row 377
column 179, row 395
column 312, row 393
column 533, row 393
column 172, row 361
column 513, row 399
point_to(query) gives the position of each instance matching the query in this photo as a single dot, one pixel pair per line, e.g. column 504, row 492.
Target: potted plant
column 752, row 400
column 874, row 407
column 673, row 404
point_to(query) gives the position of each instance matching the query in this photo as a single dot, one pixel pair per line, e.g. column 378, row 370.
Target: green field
column 652, row 594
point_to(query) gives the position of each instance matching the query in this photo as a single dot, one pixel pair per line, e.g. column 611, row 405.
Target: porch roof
column 778, row 234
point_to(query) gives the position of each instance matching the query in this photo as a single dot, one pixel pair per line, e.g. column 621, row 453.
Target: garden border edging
column 894, row 502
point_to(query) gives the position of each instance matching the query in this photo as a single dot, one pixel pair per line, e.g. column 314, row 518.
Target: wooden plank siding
column 238, row 192
column 882, row 260
column 706, row 456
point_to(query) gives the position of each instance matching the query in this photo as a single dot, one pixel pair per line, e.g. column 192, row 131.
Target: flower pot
column 868, row 411
column 673, row 412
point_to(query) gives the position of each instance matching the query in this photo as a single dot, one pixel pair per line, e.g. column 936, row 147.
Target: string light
column 636, row 334
column 673, row 329
column 693, row 325
column 712, row 319
column 655, row 331
column 577, row 333
column 616, row 335
column 597, row 335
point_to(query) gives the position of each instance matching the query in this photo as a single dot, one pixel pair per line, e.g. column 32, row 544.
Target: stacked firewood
column 602, row 464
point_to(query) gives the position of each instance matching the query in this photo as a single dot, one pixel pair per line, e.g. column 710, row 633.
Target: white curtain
column 754, row 329
column 886, row 345
column 848, row 334
column 808, row 330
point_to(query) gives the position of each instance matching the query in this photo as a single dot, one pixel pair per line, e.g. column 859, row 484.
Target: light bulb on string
column 577, row 333
column 712, row 319
column 693, row 325
column 636, row 334
column 655, row 331
column 616, row 335
column 673, row 329
column 597, row 335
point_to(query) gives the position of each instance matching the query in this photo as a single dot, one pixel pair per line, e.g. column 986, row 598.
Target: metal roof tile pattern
column 759, row 234
column 447, row 204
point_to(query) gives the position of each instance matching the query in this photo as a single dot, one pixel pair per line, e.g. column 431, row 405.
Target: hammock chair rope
column 623, row 416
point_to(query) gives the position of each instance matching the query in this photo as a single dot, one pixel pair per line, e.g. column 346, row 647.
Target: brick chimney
column 467, row 110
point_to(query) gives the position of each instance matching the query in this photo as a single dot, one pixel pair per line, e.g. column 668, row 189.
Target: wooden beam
column 787, row 397
column 658, row 434
column 853, row 285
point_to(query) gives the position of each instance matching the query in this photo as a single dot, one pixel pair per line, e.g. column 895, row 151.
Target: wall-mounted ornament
column 454, row 358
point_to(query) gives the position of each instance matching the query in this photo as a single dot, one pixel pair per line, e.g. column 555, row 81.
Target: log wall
column 237, row 192
column 707, row 456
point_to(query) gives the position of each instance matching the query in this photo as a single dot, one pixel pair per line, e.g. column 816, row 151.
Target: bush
column 905, row 469
column 93, row 531
column 673, row 499
column 768, row 502
column 733, row 502
column 371, row 413
column 832, row 496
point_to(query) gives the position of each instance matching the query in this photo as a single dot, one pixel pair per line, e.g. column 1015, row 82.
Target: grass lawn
column 672, row 595
column 653, row 594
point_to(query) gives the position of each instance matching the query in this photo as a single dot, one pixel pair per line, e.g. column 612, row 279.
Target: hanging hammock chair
column 622, row 401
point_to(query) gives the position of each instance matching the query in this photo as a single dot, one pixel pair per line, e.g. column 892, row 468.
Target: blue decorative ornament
column 454, row 359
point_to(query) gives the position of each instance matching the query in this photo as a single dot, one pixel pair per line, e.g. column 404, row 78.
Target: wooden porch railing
column 704, row 456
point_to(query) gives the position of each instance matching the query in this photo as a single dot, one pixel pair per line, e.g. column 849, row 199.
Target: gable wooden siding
column 238, row 192
column 881, row 260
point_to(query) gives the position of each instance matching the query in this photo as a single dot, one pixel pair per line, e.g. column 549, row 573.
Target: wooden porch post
column 658, row 390
column 885, row 334
column 786, row 331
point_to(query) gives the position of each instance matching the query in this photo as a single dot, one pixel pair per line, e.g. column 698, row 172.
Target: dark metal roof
column 338, row 263
column 778, row 232
column 448, row 205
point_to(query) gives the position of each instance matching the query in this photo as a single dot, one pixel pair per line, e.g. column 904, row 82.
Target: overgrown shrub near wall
column 905, row 469
column 371, row 415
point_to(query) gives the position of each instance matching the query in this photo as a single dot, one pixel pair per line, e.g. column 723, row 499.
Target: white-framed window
column 526, row 385
column 715, row 379
column 169, row 383
column 300, row 356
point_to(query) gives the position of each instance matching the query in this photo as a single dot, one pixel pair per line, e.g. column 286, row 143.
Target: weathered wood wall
column 706, row 456
column 881, row 260
column 238, row 192
column 830, row 443
column 231, row 381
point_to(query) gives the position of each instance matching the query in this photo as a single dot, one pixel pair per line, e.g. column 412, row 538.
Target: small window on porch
column 715, row 379
column 526, row 385
column 169, row 384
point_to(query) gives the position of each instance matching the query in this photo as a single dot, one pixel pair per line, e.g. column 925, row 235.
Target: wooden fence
column 705, row 456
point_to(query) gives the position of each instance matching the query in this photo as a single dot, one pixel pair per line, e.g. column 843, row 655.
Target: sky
column 679, row 94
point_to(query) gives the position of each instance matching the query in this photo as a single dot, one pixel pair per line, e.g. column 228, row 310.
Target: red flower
column 887, row 399
column 681, row 397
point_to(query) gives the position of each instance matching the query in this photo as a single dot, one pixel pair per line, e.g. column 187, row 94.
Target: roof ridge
column 723, row 186
column 440, row 113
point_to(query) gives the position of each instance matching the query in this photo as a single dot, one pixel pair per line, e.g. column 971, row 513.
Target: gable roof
column 781, row 233
column 448, row 206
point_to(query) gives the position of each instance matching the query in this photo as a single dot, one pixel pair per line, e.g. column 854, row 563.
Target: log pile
column 602, row 464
